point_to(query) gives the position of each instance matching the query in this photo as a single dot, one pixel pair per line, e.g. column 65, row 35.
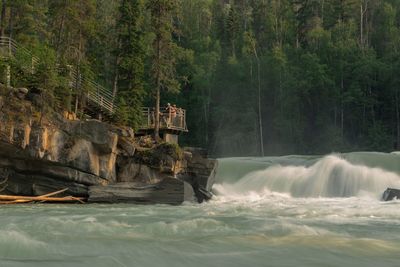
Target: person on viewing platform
column 173, row 114
column 180, row 116
column 173, row 111
column 168, row 109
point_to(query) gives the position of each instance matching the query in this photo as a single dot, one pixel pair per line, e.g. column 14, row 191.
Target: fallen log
column 55, row 193
column 40, row 198
column 9, row 199
column 19, row 201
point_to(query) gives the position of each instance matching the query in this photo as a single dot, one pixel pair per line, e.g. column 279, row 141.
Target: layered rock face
column 73, row 154
column 98, row 161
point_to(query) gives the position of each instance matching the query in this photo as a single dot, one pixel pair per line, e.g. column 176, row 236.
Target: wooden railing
column 167, row 119
column 96, row 94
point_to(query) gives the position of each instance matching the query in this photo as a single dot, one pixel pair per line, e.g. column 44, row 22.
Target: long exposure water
column 272, row 211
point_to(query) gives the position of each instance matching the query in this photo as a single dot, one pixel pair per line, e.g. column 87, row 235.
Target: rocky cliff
column 44, row 152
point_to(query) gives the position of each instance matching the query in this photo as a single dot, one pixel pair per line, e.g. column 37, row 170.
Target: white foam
column 331, row 176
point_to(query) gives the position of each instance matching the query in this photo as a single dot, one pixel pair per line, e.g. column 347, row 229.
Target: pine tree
column 71, row 24
column 130, row 55
column 163, row 66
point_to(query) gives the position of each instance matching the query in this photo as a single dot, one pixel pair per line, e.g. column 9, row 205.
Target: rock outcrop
column 102, row 162
column 168, row 191
column 391, row 194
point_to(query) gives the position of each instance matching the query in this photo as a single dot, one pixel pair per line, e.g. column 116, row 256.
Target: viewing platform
column 171, row 124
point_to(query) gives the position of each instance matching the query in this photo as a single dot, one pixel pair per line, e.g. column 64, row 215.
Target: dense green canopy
column 298, row 76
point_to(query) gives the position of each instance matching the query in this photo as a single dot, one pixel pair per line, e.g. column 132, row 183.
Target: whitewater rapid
column 303, row 211
column 329, row 176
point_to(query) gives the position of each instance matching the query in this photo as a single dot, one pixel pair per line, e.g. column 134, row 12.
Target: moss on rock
column 157, row 155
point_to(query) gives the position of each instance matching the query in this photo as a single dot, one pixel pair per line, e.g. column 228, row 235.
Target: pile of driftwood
column 48, row 198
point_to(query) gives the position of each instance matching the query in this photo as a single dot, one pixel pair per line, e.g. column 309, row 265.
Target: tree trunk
column 10, row 22
column 8, row 75
column 76, row 91
column 335, row 116
column 157, row 115
column 252, row 84
column 208, row 115
column 3, row 18
column 361, row 25
column 372, row 105
column 116, row 73
column 397, row 120
column 205, row 124
column 363, row 18
column 259, row 104
column 322, row 10
column 158, row 88
column 342, row 122
column 60, row 32
column 342, row 110
column 115, row 83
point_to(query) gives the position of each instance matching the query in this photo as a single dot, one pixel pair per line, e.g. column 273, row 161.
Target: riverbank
column 42, row 152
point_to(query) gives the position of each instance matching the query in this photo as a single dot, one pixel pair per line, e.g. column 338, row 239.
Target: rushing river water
column 273, row 211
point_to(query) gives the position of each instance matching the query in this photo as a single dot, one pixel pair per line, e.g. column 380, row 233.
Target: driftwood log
column 9, row 199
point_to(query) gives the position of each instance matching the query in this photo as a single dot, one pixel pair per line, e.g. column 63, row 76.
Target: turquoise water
column 281, row 211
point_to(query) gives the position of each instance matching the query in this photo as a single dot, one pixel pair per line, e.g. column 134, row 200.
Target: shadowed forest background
column 310, row 76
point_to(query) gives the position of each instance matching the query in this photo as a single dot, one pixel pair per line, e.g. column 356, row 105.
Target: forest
column 256, row 77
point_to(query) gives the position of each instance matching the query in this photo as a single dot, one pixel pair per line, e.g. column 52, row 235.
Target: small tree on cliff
column 163, row 67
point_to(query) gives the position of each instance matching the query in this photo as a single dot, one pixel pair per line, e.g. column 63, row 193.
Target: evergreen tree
column 163, row 66
column 130, row 54
column 312, row 76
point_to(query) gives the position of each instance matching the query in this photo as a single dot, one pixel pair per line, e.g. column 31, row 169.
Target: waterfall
column 329, row 176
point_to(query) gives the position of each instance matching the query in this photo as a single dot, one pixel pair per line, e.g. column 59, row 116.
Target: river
column 272, row 211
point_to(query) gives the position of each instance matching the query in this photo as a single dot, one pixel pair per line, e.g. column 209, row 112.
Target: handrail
column 176, row 121
column 14, row 46
column 96, row 93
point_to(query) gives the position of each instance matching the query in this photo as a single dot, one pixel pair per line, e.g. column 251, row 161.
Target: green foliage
column 130, row 54
column 328, row 69
column 155, row 156
column 122, row 115
column 170, row 149
column 165, row 50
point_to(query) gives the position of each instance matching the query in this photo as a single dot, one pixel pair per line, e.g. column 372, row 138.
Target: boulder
column 51, row 170
column 34, row 98
column 36, row 185
column 93, row 131
column 20, row 92
column 168, row 191
column 130, row 171
column 123, row 131
column 391, row 194
column 199, row 172
column 126, row 146
column 197, row 151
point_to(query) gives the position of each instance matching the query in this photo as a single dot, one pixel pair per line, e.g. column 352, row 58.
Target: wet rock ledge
column 95, row 160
